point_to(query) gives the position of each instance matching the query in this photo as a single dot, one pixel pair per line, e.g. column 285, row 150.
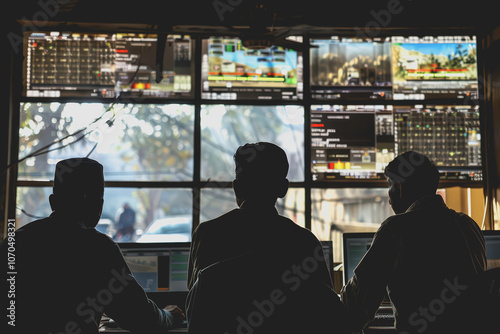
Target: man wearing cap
column 69, row 274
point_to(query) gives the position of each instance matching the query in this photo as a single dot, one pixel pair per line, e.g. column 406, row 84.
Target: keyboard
column 383, row 318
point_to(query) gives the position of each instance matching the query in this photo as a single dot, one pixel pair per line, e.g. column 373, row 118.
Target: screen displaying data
column 358, row 141
column 351, row 141
column 231, row 71
column 158, row 268
column 59, row 64
column 355, row 246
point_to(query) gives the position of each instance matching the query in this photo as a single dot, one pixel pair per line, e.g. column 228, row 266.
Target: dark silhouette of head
column 410, row 176
column 261, row 171
column 78, row 191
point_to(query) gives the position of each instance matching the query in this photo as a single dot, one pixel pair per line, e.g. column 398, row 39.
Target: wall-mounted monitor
column 351, row 141
column 351, row 68
column 449, row 135
column 358, row 141
column 434, row 67
column 232, row 72
column 127, row 65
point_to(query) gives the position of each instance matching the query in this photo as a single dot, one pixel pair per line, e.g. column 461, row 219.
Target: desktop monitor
column 492, row 241
column 355, row 246
column 107, row 65
column 158, row 267
column 230, row 71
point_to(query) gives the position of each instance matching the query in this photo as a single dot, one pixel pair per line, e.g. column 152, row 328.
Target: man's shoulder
column 35, row 225
column 101, row 243
column 219, row 222
column 467, row 222
column 295, row 229
column 99, row 237
column 394, row 220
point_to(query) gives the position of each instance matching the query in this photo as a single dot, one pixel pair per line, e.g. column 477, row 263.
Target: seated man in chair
column 425, row 257
column 68, row 273
column 252, row 270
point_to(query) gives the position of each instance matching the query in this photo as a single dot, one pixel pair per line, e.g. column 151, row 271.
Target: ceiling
column 362, row 15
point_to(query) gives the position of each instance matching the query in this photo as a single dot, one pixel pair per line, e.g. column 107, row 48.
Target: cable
column 92, row 150
column 28, row 214
column 59, row 147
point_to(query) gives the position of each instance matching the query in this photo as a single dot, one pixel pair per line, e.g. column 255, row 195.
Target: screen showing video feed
column 351, row 68
column 437, row 67
column 233, row 72
column 449, row 135
column 351, row 141
column 60, row 64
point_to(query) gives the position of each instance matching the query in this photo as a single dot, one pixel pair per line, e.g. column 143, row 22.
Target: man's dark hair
column 260, row 162
column 415, row 171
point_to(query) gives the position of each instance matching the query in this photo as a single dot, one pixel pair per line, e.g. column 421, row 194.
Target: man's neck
column 260, row 203
column 68, row 218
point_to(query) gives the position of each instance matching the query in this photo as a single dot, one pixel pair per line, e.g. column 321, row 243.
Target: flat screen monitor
column 434, row 67
column 355, row 246
column 351, row 68
column 232, row 72
column 351, row 141
column 449, row 135
column 108, row 65
column 492, row 241
column 158, row 267
column 356, row 142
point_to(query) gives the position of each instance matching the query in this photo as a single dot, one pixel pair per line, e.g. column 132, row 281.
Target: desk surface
column 122, row 331
column 369, row 330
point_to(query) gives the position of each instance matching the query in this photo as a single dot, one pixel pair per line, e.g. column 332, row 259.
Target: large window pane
column 158, row 215
column 32, row 203
column 162, row 215
column 133, row 142
column 224, row 128
column 217, row 201
column 335, row 211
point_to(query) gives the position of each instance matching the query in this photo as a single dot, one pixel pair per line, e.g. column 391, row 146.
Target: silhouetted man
column 68, row 273
column 254, row 271
column 425, row 256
